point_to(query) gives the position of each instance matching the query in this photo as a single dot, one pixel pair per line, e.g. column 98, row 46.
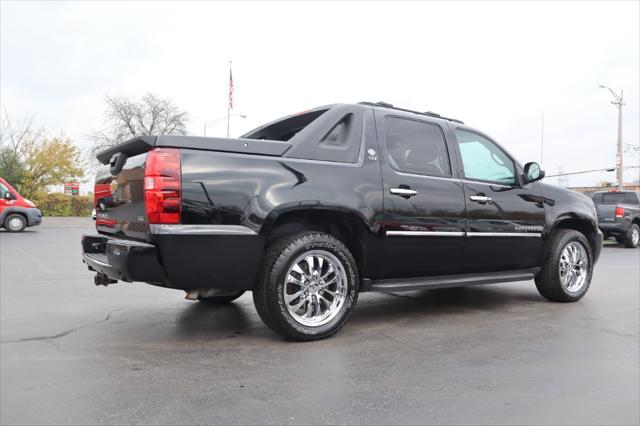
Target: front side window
column 416, row 147
column 484, row 160
column 3, row 190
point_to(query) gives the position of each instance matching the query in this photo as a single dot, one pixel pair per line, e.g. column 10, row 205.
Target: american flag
column 230, row 87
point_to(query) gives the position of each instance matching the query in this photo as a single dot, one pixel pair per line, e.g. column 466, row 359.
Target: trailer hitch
column 102, row 279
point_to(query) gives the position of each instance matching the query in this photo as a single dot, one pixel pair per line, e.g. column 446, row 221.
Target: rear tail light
column 162, row 186
column 619, row 211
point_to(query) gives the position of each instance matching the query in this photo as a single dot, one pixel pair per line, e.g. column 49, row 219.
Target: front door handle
column 482, row 199
column 403, row 192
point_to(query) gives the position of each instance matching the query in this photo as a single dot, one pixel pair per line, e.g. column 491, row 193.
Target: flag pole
column 229, row 100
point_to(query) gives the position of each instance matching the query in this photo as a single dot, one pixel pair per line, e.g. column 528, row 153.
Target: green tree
column 11, row 166
column 14, row 138
column 51, row 161
column 31, row 160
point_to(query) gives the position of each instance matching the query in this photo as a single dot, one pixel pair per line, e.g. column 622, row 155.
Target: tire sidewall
column 281, row 268
column 12, row 217
column 569, row 238
column 629, row 240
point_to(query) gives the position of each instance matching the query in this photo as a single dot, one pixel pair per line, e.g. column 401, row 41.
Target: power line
column 610, row 169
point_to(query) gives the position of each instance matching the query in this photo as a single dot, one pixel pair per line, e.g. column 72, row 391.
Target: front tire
column 308, row 286
column 632, row 238
column 15, row 223
column 567, row 269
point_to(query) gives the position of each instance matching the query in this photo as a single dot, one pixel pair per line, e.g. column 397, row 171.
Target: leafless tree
column 17, row 134
column 128, row 117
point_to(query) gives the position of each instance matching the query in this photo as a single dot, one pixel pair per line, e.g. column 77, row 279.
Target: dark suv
column 312, row 209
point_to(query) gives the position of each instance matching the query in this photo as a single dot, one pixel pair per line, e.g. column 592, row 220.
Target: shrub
column 63, row 205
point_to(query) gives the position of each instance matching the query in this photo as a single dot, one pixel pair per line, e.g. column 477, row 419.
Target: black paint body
column 261, row 191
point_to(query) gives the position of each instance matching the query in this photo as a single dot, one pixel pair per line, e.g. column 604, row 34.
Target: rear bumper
column 182, row 258
column 123, row 260
column 615, row 228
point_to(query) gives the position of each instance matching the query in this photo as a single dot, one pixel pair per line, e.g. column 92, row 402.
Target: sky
column 498, row 66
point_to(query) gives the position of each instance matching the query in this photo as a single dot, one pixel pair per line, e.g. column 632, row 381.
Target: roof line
column 427, row 113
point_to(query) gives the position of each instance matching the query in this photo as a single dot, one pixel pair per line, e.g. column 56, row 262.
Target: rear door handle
column 403, row 192
column 481, row 199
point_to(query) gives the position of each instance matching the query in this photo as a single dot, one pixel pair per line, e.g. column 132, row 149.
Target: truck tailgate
column 120, row 208
column 606, row 213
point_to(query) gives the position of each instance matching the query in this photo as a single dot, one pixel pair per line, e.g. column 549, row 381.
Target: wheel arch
column 582, row 224
column 346, row 225
column 8, row 212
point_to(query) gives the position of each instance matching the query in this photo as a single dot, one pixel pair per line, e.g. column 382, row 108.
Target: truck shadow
column 429, row 304
column 202, row 321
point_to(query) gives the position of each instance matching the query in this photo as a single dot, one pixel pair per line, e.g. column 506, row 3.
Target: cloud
column 496, row 66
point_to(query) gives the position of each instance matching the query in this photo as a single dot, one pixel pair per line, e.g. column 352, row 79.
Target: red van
column 16, row 212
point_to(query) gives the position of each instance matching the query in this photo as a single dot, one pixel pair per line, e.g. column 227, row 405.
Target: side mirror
column 532, row 172
column 9, row 196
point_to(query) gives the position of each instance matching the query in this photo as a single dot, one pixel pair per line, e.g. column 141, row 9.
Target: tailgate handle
column 117, row 162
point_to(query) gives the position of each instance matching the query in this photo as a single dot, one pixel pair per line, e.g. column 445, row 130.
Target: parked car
column 310, row 210
column 16, row 212
column 619, row 215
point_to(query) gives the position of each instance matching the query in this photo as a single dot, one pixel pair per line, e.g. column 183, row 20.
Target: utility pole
column 618, row 102
column 542, row 139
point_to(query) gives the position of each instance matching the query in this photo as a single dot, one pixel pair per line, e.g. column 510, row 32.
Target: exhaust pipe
column 192, row 294
column 195, row 293
column 102, row 279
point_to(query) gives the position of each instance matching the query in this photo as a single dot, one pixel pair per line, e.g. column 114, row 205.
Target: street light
column 618, row 102
column 208, row 124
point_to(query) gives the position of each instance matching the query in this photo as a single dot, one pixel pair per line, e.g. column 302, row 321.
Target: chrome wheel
column 315, row 288
column 635, row 235
column 574, row 267
column 15, row 223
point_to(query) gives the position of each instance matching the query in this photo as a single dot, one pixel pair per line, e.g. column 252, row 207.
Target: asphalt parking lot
column 72, row 353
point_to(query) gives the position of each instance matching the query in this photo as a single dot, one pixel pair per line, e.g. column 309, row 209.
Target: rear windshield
column 616, row 197
column 286, row 128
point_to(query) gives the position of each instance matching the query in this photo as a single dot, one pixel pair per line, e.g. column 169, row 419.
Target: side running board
column 446, row 281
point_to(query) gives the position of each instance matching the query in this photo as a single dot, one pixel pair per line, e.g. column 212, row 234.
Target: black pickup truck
column 312, row 209
column 619, row 215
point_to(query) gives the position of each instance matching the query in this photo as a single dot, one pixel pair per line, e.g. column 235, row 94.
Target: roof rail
column 428, row 113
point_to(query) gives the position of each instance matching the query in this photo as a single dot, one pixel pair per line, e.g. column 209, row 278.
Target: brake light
column 619, row 211
column 163, row 186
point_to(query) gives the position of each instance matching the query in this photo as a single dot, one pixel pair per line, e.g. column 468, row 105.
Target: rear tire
column 221, row 299
column 632, row 238
column 15, row 223
column 567, row 268
column 308, row 286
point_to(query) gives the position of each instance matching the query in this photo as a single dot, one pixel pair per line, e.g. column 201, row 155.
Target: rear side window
column 416, row 147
